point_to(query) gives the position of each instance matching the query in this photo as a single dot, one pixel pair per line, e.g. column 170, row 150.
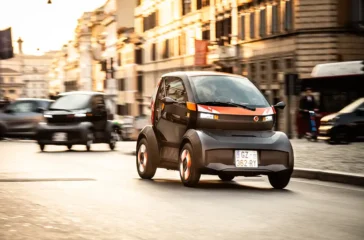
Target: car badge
column 256, row 119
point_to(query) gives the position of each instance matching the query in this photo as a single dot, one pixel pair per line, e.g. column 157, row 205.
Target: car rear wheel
column 279, row 180
column 90, row 139
column 146, row 168
column 113, row 139
column 225, row 177
column 188, row 171
column 42, row 147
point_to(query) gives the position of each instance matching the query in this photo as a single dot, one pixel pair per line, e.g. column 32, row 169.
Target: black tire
column 279, row 180
column 188, row 163
column 113, row 140
column 225, row 177
column 42, row 147
column 90, row 139
column 145, row 166
column 69, row 147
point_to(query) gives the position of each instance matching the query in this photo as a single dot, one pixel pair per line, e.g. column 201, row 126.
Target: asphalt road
column 98, row 195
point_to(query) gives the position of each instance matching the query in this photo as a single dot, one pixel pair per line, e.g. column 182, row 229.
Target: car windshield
column 71, row 102
column 352, row 106
column 231, row 89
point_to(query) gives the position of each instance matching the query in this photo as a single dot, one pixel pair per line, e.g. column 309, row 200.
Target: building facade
column 256, row 38
column 12, row 85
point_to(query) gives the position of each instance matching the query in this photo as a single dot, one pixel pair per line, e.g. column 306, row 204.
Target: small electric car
column 77, row 118
column 213, row 123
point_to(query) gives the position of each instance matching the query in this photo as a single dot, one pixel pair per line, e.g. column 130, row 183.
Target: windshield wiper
column 60, row 109
column 229, row 104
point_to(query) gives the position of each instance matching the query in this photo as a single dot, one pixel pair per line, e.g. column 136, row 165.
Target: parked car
column 213, row 123
column 21, row 117
column 345, row 126
column 77, row 118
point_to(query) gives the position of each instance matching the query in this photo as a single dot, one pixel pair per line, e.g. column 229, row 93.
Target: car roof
column 81, row 92
column 199, row 73
column 35, row 99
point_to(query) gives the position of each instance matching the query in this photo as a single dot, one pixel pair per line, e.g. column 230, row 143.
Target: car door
column 99, row 113
column 22, row 117
column 172, row 118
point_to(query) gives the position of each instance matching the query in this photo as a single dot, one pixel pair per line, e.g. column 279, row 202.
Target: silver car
column 21, row 117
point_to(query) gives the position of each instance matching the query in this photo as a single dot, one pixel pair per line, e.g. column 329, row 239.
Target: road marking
column 329, row 184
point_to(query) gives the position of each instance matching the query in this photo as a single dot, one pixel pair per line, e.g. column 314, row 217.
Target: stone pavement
column 320, row 155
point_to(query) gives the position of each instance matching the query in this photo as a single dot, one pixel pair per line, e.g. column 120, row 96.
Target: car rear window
column 227, row 89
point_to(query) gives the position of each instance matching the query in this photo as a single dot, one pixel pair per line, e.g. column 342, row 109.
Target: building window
column 121, row 85
column 357, row 11
column 121, row 110
column 206, row 35
column 288, row 23
column 263, row 23
column 140, row 83
column 275, row 65
column 242, row 27
column 252, row 72
column 154, row 52
column 12, row 91
column 275, row 23
column 202, row 3
column 1, row 79
column 289, row 63
column 141, row 109
column 165, row 53
column 219, row 29
column 138, row 55
column 119, row 58
column 252, row 25
column 150, row 22
column 262, row 71
column 186, row 7
column 227, row 28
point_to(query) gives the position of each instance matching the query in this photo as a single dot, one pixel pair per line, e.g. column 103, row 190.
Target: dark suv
column 77, row 118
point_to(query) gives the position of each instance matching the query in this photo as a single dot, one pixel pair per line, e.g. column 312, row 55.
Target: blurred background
column 122, row 47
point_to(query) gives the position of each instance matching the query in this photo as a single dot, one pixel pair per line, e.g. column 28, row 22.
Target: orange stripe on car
column 235, row 110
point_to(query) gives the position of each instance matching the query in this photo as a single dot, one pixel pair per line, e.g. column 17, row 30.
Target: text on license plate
column 246, row 158
column 59, row 137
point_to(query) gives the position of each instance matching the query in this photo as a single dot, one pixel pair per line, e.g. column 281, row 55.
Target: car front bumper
column 76, row 134
column 275, row 152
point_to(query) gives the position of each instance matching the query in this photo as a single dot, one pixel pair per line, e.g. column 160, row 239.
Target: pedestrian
column 307, row 103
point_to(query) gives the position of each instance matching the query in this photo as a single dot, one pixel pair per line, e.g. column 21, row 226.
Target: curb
column 329, row 176
column 324, row 175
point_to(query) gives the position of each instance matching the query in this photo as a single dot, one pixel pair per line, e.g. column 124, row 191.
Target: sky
column 41, row 25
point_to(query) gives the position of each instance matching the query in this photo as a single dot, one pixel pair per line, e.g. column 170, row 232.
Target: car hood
column 330, row 117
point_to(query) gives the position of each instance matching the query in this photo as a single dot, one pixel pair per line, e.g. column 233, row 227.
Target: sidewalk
column 316, row 155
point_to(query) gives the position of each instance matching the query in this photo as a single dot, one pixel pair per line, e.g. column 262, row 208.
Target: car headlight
column 80, row 115
column 208, row 116
column 267, row 118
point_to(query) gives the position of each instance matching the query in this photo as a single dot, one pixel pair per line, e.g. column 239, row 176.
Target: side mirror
column 280, row 105
column 40, row 110
column 168, row 100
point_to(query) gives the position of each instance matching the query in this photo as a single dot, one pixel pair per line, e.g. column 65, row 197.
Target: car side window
column 175, row 89
column 22, row 107
column 159, row 103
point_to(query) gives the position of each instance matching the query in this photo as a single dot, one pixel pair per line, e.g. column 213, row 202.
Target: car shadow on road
column 76, row 151
column 172, row 184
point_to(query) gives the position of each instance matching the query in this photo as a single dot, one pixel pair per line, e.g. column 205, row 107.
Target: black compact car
column 213, row 123
column 77, row 118
column 21, row 117
column 345, row 126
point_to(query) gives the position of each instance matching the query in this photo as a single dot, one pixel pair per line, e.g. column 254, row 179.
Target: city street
column 62, row 194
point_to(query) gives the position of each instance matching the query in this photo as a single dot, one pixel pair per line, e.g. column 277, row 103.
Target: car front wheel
column 279, row 180
column 188, row 171
column 146, row 168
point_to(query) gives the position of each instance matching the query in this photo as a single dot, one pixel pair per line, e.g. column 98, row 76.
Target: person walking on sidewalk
column 307, row 103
